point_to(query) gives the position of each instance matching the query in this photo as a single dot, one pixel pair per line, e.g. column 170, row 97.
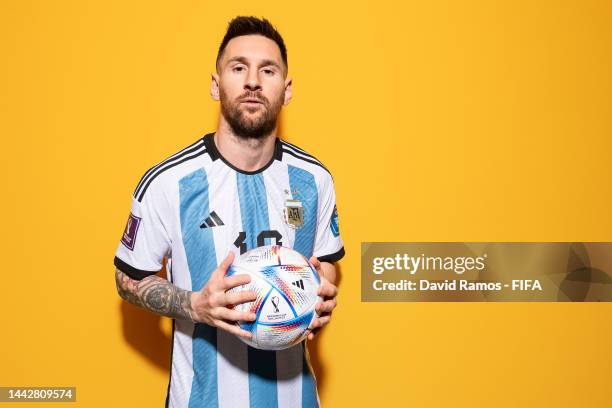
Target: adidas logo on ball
column 299, row 284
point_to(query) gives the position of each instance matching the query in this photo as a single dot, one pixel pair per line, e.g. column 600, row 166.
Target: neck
column 244, row 154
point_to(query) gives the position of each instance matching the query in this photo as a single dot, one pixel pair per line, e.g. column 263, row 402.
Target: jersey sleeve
column 328, row 245
column 145, row 241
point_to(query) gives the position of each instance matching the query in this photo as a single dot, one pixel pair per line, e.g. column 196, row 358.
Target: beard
column 244, row 125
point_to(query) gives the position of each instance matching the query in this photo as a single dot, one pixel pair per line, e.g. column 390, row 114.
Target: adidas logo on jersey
column 213, row 220
column 299, row 284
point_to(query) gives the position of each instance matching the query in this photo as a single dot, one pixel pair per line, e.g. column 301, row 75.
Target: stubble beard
column 242, row 123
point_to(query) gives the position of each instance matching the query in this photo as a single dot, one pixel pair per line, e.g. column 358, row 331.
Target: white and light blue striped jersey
column 192, row 209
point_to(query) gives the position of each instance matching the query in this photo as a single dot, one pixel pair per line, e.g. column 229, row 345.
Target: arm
column 328, row 291
column 155, row 294
column 211, row 305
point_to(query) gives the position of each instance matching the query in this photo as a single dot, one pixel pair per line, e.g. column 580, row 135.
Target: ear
column 288, row 91
column 214, row 86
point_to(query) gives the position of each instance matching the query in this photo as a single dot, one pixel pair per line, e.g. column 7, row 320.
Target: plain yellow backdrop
column 440, row 120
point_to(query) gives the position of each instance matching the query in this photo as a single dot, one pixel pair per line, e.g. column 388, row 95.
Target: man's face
column 251, row 85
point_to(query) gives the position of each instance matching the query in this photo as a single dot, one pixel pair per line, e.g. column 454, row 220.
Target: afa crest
column 294, row 213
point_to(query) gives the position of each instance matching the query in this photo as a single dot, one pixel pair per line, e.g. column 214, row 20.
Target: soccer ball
column 286, row 286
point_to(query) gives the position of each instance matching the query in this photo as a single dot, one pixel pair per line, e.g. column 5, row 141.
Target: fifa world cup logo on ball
column 275, row 304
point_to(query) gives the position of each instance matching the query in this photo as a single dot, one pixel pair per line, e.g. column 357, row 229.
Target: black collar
column 214, row 154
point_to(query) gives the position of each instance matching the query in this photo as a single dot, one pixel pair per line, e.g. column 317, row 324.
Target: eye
column 268, row 71
column 238, row 68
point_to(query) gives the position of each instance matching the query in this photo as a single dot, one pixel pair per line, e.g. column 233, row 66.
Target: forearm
column 155, row 294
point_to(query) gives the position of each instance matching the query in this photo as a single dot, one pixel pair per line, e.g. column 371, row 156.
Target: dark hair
column 248, row 25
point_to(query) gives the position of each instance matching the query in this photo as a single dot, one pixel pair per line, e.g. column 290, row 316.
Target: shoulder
column 297, row 157
column 169, row 170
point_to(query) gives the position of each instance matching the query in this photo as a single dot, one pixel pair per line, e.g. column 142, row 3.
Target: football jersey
column 191, row 210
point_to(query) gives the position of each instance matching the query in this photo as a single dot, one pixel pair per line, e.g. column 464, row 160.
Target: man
column 223, row 195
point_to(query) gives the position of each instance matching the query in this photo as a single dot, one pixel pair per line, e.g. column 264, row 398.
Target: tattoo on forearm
column 155, row 294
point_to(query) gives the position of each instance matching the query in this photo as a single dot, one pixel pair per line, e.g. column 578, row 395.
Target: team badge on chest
column 294, row 213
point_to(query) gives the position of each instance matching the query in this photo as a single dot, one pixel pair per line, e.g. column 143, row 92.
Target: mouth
column 252, row 102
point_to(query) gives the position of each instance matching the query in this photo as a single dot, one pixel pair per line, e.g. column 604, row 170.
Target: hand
column 213, row 306
column 328, row 292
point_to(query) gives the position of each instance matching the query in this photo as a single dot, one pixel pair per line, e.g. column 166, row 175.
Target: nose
column 252, row 82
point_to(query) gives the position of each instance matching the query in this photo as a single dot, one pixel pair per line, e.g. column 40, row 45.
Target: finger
column 314, row 324
column 232, row 315
column 323, row 320
column 325, row 307
column 222, row 269
column 225, row 264
column 235, row 280
column 243, row 296
column 327, row 290
column 319, row 322
column 232, row 328
column 312, row 334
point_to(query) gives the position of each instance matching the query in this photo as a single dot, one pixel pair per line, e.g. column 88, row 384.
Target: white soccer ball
column 286, row 285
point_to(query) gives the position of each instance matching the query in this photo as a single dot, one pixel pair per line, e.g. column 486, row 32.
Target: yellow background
column 440, row 120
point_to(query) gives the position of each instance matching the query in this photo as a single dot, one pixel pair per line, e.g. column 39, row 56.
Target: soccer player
column 232, row 190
